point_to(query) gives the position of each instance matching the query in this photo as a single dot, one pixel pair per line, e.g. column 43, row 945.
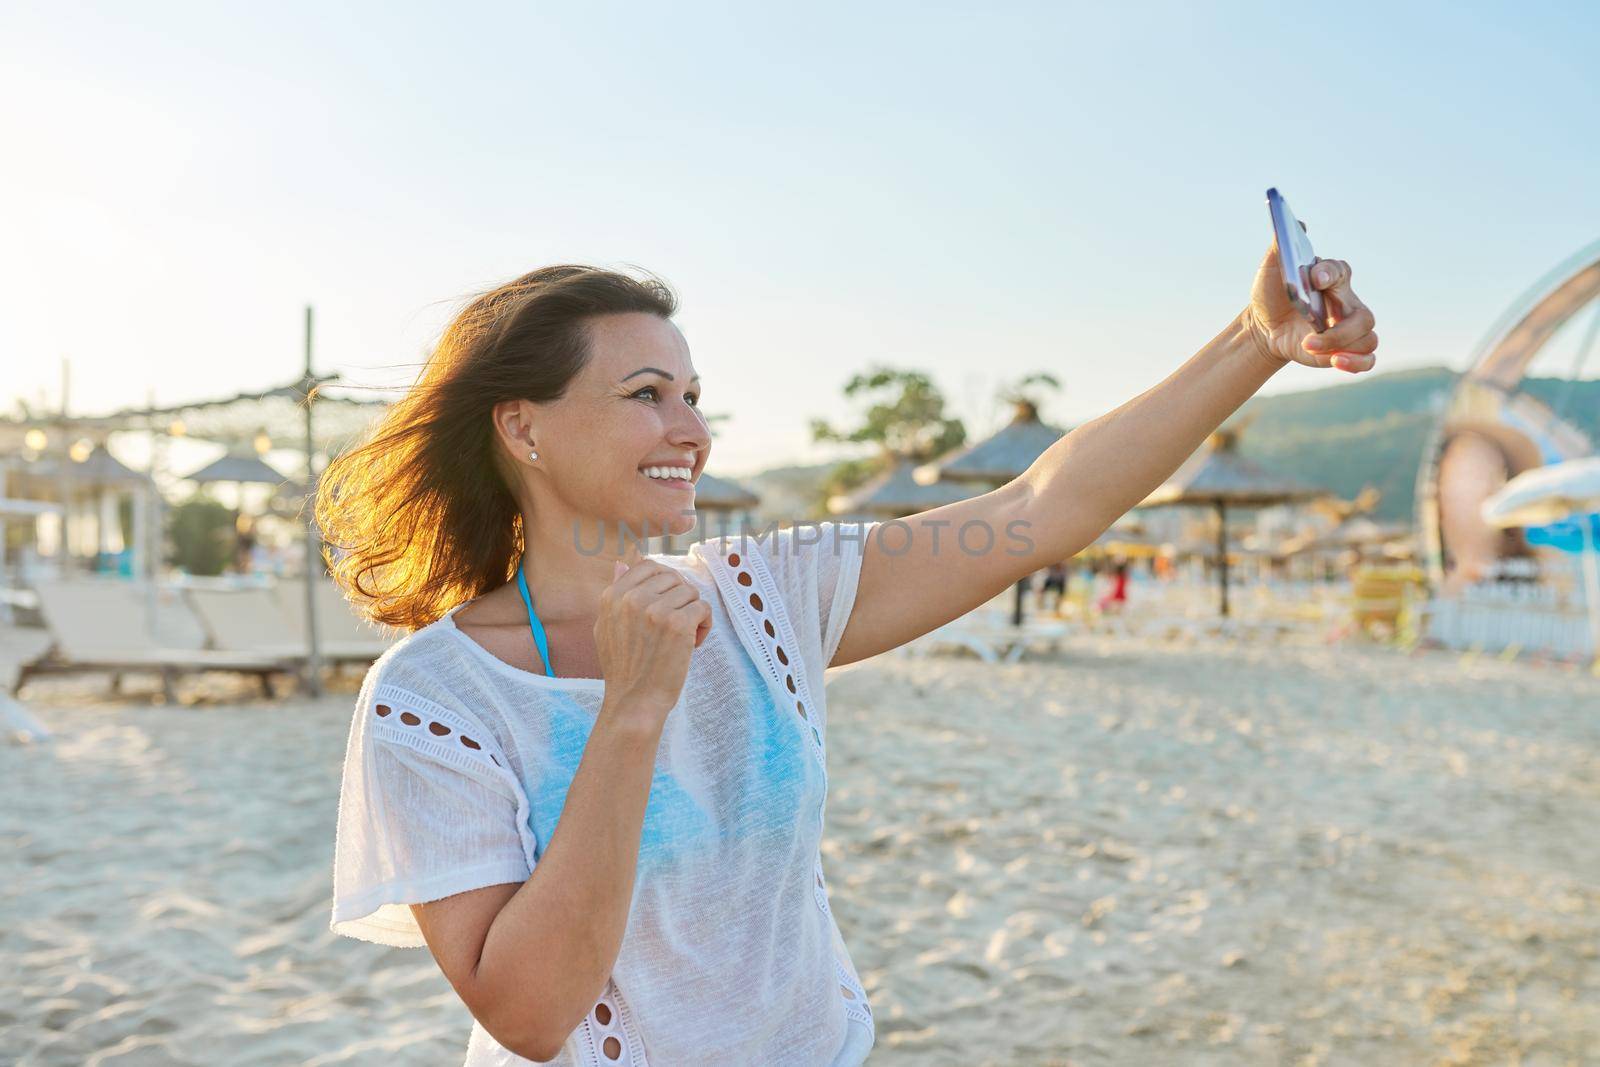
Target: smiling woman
column 603, row 816
column 425, row 512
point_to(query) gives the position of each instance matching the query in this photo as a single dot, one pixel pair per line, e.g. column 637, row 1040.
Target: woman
column 591, row 782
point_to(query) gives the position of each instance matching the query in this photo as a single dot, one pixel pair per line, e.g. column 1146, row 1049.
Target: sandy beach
column 1128, row 852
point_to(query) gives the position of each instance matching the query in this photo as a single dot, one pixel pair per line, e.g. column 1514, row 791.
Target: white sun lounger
column 342, row 633
column 104, row 627
column 992, row 640
column 272, row 621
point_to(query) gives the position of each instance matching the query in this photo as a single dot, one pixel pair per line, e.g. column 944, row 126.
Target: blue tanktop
column 534, row 623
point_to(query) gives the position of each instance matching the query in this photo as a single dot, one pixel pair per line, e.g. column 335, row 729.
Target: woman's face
column 635, row 405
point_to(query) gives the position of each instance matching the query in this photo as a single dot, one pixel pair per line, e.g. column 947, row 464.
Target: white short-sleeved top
column 457, row 769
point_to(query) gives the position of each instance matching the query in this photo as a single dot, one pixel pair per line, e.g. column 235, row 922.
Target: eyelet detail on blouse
column 435, row 718
column 733, row 582
column 855, row 997
column 744, row 578
column 611, row 1039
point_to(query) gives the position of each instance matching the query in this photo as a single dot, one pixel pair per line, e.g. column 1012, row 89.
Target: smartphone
column 1295, row 258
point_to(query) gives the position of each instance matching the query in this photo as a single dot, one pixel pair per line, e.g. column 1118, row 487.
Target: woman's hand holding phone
column 1285, row 335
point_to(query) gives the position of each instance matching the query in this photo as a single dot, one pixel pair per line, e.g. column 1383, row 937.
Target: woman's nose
column 691, row 431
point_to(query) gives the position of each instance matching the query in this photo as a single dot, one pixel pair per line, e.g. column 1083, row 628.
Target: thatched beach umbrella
column 896, row 493
column 996, row 460
column 1358, row 532
column 100, row 467
column 238, row 468
column 999, row 458
column 721, row 494
column 95, row 474
column 1217, row 476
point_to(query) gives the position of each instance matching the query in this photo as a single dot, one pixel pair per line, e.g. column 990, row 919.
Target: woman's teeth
column 667, row 472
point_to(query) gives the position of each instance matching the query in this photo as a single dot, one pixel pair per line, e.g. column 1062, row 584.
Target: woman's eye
column 652, row 389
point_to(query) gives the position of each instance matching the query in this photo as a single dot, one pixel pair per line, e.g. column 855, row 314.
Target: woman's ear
column 514, row 424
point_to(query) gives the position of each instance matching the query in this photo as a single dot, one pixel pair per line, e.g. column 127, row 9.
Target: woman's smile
column 670, row 483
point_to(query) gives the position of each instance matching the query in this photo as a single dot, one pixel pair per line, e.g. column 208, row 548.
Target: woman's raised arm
column 914, row 582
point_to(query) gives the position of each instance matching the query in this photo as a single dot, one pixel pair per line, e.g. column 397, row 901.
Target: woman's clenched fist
column 650, row 620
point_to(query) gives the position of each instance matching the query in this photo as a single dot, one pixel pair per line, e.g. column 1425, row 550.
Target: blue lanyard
column 533, row 622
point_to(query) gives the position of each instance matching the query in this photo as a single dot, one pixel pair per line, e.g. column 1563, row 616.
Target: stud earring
column 532, row 454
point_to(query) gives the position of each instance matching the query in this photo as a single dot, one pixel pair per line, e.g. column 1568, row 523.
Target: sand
column 1127, row 853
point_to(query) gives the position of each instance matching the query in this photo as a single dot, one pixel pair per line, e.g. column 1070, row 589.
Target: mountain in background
column 1373, row 431
column 1370, row 431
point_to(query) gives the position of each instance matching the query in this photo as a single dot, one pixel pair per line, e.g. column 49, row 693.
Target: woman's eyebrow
column 656, row 370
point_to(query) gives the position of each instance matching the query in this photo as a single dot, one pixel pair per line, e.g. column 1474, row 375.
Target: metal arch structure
column 1489, row 431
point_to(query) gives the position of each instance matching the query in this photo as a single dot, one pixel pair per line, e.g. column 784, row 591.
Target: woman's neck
column 568, row 570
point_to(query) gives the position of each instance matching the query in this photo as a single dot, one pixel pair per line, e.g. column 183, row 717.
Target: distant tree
column 907, row 423
column 202, row 532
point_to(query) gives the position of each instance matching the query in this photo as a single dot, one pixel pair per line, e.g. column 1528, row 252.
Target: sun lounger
column 343, row 635
column 272, row 621
column 105, row 627
column 990, row 638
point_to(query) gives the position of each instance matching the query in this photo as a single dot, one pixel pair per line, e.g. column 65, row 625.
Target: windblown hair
column 420, row 514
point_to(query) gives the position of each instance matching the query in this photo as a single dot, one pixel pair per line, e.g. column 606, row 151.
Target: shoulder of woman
column 430, row 663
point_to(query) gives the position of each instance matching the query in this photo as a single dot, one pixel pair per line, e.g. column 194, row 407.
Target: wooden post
column 1222, row 551
column 313, row 678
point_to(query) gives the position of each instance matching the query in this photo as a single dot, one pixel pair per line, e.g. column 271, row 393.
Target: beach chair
column 245, row 620
column 991, row 639
column 272, row 621
column 342, row 634
column 1378, row 598
column 104, row 627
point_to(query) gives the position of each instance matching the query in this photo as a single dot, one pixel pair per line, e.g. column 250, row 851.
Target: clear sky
column 979, row 191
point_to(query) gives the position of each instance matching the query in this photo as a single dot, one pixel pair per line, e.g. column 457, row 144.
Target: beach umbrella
column 1357, row 532
column 1217, row 476
column 996, row 460
column 896, row 492
column 1550, row 494
column 722, row 494
column 68, row 479
column 99, row 466
column 1002, row 456
column 239, row 468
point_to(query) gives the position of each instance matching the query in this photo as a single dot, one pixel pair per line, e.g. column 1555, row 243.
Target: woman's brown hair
column 420, row 515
